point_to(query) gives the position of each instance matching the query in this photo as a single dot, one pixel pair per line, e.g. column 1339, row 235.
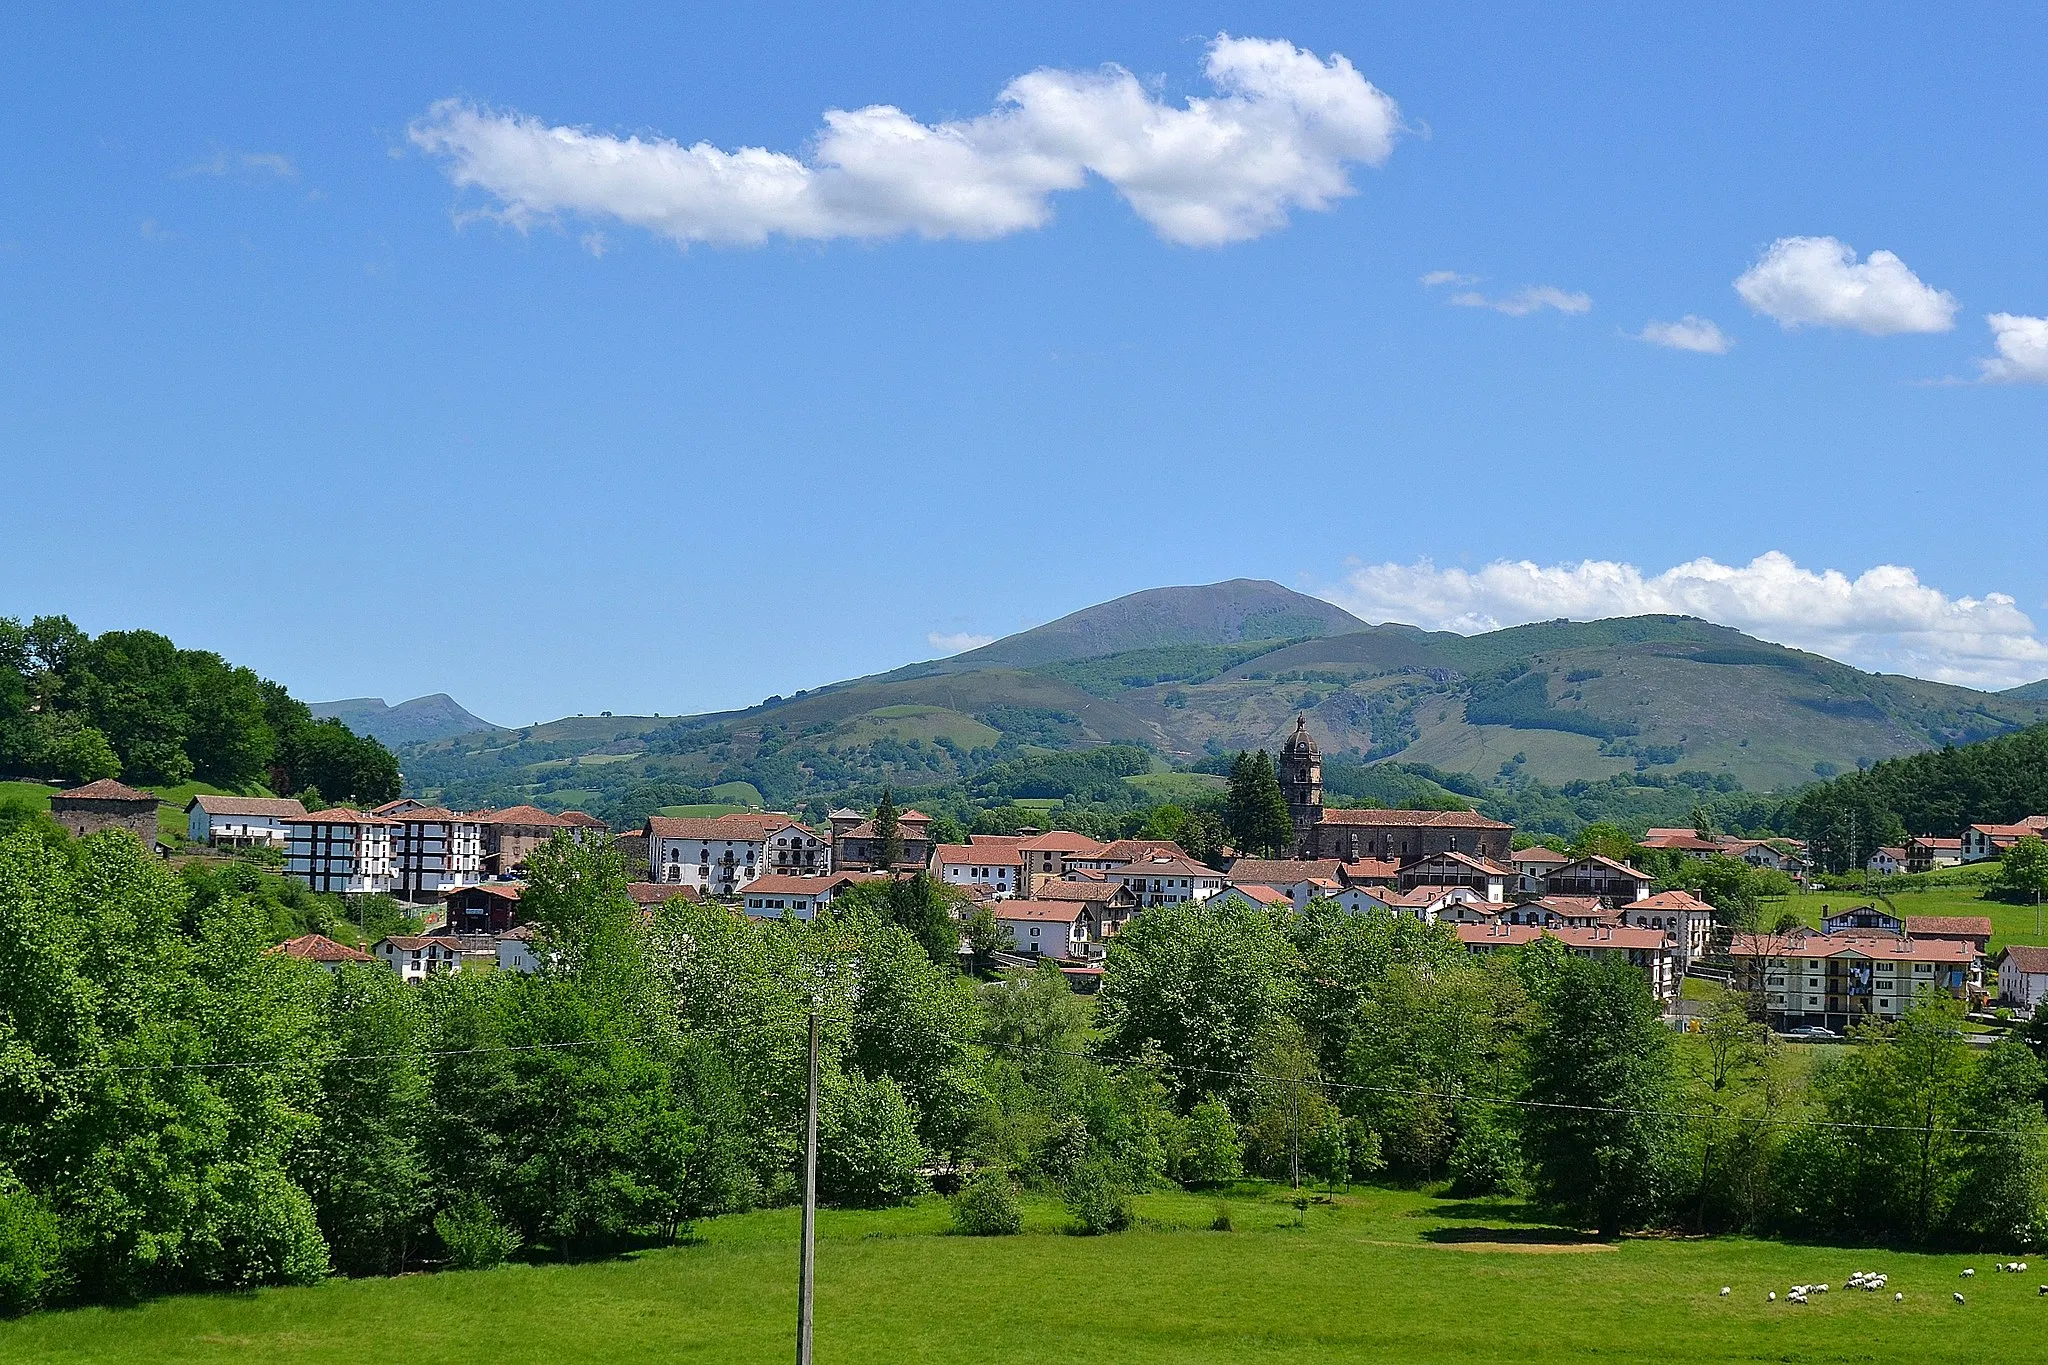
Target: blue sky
column 274, row 383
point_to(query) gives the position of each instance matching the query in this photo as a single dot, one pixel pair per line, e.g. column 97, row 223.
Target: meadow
column 2009, row 923
column 1367, row 1274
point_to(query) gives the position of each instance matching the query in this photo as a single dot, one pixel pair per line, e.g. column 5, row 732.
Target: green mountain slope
column 1190, row 673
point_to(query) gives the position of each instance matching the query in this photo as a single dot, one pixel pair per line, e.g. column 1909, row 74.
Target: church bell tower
column 1301, row 783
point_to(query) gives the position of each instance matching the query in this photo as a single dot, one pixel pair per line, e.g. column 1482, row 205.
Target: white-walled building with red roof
column 722, row 855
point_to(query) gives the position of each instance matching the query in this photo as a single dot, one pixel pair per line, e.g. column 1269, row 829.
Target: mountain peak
column 418, row 721
column 1206, row 614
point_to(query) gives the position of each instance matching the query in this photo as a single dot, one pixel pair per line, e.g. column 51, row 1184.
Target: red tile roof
column 1164, row 867
column 320, row 948
column 1538, row 854
column 583, row 820
column 2029, row 958
column 1058, row 912
column 1060, row 841
column 1131, row 850
column 976, row 855
column 340, row 815
column 1870, row 944
column 1372, row 870
column 782, row 884
column 1088, row 891
column 1413, row 819
column 1283, row 871
column 1262, row 894
column 1668, row 901
column 1949, row 926
column 273, row 807
column 521, row 815
column 508, row 891
column 749, row 827
column 105, row 789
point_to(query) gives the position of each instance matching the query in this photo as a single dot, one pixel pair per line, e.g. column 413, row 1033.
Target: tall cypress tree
column 1239, row 806
column 1272, row 827
column 888, row 834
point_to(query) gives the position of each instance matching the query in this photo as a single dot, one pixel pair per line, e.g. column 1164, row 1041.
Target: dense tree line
column 1994, row 781
column 131, row 704
column 1386, row 1046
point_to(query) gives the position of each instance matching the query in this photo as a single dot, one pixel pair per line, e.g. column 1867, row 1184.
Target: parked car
column 1812, row 1033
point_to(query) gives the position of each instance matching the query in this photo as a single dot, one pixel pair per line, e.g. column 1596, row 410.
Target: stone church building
column 1398, row 836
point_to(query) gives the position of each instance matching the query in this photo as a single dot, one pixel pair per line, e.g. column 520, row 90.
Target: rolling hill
column 1189, row 673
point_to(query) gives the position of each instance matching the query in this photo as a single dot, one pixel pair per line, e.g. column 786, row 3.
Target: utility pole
column 803, row 1292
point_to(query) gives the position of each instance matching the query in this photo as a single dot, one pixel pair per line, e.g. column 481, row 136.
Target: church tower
column 1301, row 783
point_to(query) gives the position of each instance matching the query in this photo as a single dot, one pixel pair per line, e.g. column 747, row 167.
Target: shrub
column 31, row 1268
column 868, row 1151
column 1211, row 1153
column 471, row 1236
column 1221, row 1222
column 1485, row 1161
column 987, row 1207
column 1099, row 1198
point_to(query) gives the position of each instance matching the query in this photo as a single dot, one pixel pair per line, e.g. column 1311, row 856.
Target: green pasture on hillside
column 171, row 822
column 2010, row 923
column 1370, row 1275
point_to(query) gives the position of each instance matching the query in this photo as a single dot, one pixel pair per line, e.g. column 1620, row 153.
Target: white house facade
column 436, row 850
column 724, row 855
column 241, row 821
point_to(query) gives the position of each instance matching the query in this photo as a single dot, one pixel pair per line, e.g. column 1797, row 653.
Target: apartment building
column 342, row 850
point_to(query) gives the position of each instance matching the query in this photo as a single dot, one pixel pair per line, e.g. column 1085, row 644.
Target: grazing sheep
column 1968, row 1273
column 1898, row 1298
column 1959, row 1298
column 1725, row 1291
column 1773, row 1296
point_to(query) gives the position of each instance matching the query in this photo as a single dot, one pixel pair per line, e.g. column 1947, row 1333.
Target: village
column 1059, row 896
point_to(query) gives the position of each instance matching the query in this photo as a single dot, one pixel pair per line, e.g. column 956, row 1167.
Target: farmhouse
column 1925, row 853
column 487, row 908
column 1489, row 879
column 321, row 951
column 1988, row 841
column 1111, row 902
column 777, row 893
column 1617, row 883
column 998, row 867
column 1532, row 865
column 240, row 821
column 1046, row 928
column 1163, row 879
column 2023, row 976
column 1974, row 930
column 415, row 957
column 1887, row 862
column 1688, row 919
column 721, row 856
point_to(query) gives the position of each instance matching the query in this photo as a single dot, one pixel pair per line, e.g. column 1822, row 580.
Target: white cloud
column 1884, row 619
column 1521, row 303
column 1278, row 135
column 1818, row 280
column 2022, row 350
column 958, row 642
column 1437, row 277
column 261, row 163
column 1689, row 333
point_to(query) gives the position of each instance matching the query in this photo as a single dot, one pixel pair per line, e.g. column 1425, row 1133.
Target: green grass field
column 171, row 822
column 2009, row 923
column 1374, row 1274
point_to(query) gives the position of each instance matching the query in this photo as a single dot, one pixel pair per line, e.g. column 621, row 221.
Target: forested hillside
column 1997, row 781
column 131, row 704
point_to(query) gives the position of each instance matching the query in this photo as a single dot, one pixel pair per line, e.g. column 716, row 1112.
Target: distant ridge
column 419, row 721
column 2033, row 691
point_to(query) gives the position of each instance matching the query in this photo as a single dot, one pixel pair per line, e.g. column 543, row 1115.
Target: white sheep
column 1967, row 1274
column 1898, row 1298
column 1772, row 1296
column 1726, row 1291
column 1959, row 1298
